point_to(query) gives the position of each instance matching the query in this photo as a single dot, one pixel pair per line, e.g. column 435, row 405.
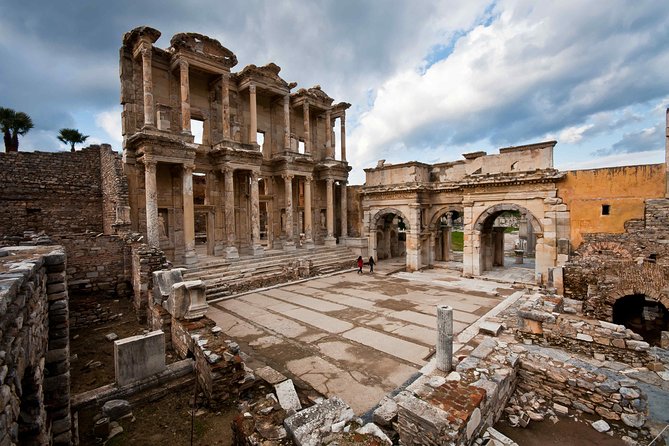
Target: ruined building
column 266, row 166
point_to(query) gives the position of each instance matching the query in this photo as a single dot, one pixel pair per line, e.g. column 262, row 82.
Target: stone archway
column 487, row 241
column 441, row 228
column 387, row 234
column 645, row 315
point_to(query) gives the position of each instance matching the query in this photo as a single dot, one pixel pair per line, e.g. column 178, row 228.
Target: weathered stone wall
column 355, row 213
column 115, row 204
column 145, row 260
column 53, row 192
column 34, row 345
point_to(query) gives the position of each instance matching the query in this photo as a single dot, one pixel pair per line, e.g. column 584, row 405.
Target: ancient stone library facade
column 224, row 167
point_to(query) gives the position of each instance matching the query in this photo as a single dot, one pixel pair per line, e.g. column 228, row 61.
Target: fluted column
column 344, row 210
column 253, row 131
column 185, row 96
column 286, row 122
column 190, row 256
column 229, row 213
column 151, row 191
column 308, row 225
column 328, row 135
column 258, row 250
column 147, row 86
column 329, row 212
column 289, row 244
column 342, row 133
column 225, row 106
column 307, row 128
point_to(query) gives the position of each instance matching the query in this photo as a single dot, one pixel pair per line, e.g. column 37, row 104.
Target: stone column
column 342, row 127
column 413, row 243
column 344, row 210
column 286, row 122
column 307, row 128
column 253, row 129
column 258, row 250
column 289, row 244
column 666, row 154
column 151, row 191
column 147, row 86
column 190, row 256
column 446, row 238
column 185, row 96
column 329, row 212
column 328, row 135
column 308, row 225
column 444, row 361
column 225, row 106
column 231, row 252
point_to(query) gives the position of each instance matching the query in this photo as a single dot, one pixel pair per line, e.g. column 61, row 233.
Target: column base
column 190, row 257
column 308, row 244
column 330, row 241
column 289, row 246
column 258, row 251
column 219, row 249
column 231, row 253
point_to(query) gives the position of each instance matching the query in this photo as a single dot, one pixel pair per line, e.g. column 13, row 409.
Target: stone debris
column 373, row 429
column 287, row 396
column 386, row 413
column 111, row 337
column 309, row 426
column 601, row 426
column 490, row 328
column 115, row 409
column 270, row 375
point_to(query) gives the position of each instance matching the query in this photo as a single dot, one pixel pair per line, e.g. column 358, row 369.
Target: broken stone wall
column 34, row 347
column 55, row 192
column 116, row 210
column 145, row 260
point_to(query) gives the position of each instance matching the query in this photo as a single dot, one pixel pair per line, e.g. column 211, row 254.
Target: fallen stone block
column 288, row 399
column 386, row 413
column 490, row 328
column 373, row 429
column 560, row 409
column 309, row 426
column 270, row 375
column 601, row 426
column 115, row 409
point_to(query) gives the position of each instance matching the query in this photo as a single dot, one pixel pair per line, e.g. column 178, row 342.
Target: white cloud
column 574, row 134
column 619, row 159
column 110, row 122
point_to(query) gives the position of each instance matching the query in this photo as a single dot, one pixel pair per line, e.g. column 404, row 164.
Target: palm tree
column 71, row 137
column 13, row 124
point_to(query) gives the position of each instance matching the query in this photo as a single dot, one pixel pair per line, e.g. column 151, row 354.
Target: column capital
column 227, row 170
column 183, row 64
column 330, row 181
column 309, row 178
column 145, row 50
column 149, row 163
column 188, row 168
column 252, row 89
column 287, row 176
column 255, row 175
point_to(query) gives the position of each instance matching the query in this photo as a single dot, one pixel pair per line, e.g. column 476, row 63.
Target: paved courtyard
column 355, row 336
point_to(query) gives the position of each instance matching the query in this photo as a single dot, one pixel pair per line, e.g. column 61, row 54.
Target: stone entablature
column 268, row 155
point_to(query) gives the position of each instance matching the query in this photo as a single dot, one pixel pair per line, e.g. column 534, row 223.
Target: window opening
column 606, row 209
column 197, row 129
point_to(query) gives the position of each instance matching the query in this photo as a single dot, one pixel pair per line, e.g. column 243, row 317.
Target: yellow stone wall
column 624, row 189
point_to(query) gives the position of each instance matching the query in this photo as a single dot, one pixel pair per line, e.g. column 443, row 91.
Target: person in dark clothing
column 360, row 263
column 371, row 264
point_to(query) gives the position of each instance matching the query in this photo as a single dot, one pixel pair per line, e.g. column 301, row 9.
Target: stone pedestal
column 289, row 245
column 258, row 251
column 330, row 241
column 231, row 253
column 519, row 256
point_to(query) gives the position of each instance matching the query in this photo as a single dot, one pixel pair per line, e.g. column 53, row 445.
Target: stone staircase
column 224, row 278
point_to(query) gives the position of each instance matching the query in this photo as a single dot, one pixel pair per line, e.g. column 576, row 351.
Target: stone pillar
column 147, row 86
column 329, row 212
column 446, row 238
column 308, row 225
column 151, row 191
column 344, row 210
column 225, row 106
column 328, row 135
column 413, row 242
column 258, row 250
column 666, row 154
column 498, row 246
column 444, row 338
column 185, row 96
column 286, row 122
column 307, row 128
column 231, row 252
column 289, row 244
column 190, row 257
column 253, row 129
column 342, row 127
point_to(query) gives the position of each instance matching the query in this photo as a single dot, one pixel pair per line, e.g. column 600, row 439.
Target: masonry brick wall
column 114, row 188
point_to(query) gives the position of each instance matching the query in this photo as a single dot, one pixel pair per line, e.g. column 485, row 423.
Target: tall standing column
column 258, row 250
column 307, row 128
column 150, row 189
column 329, row 212
column 344, row 210
column 289, row 244
column 253, row 130
column 225, row 106
column 190, row 256
column 328, row 135
column 286, row 122
column 342, row 133
column 231, row 252
column 308, row 228
column 147, row 86
column 185, row 96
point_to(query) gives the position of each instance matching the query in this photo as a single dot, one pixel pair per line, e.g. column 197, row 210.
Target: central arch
column 487, row 248
column 387, row 231
column 446, row 232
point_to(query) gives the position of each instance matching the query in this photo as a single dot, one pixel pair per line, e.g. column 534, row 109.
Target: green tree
column 71, row 137
column 13, row 124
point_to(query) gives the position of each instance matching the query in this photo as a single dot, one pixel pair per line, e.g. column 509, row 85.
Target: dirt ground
column 566, row 432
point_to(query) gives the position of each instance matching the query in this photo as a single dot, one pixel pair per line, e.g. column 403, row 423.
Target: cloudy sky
column 428, row 80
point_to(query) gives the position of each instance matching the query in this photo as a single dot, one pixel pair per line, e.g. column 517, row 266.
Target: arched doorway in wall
column 504, row 238
column 643, row 315
column 447, row 228
column 389, row 228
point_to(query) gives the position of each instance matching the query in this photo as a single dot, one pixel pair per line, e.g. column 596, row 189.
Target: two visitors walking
column 361, row 263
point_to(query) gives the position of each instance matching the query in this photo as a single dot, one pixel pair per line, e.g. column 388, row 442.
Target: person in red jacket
column 360, row 263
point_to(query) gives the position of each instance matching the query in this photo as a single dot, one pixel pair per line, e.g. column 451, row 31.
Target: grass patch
column 457, row 240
